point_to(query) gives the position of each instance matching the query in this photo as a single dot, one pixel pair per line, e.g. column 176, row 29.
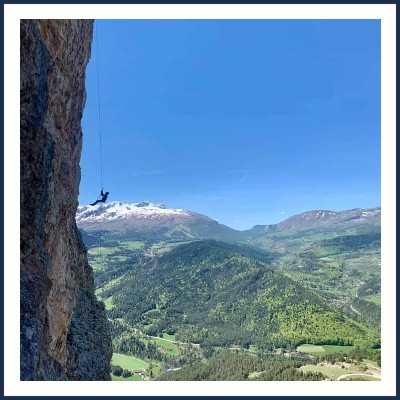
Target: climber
column 103, row 198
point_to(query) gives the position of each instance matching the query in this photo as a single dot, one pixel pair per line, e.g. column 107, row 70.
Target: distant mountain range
column 149, row 221
column 323, row 219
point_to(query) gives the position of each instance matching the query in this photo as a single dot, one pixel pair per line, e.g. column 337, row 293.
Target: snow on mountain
column 322, row 219
column 370, row 213
column 149, row 221
column 317, row 214
column 117, row 210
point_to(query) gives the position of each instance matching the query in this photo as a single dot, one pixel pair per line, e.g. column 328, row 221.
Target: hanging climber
column 103, row 198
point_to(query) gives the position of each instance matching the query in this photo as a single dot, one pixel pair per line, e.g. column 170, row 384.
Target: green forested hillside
column 177, row 303
column 216, row 294
column 228, row 366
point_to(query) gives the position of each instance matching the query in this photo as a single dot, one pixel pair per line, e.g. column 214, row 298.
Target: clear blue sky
column 246, row 121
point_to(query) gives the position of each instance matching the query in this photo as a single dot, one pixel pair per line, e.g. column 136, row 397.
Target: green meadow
column 128, row 362
column 330, row 372
column 324, row 349
column 129, row 378
column 171, row 348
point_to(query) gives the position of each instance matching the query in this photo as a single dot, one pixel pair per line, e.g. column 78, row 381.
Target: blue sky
column 246, row 121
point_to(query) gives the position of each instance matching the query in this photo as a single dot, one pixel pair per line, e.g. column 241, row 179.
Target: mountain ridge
column 110, row 213
column 150, row 221
column 314, row 218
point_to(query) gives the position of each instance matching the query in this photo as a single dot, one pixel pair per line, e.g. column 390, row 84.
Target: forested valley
column 288, row 305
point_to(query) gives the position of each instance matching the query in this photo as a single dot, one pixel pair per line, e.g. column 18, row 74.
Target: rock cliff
column 65, row 334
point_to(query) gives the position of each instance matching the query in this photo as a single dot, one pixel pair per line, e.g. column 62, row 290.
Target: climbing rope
column 99, row 104
column 100, row 243
column 97, row 37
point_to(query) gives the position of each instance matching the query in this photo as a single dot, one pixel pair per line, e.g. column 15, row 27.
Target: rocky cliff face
column 64, row 330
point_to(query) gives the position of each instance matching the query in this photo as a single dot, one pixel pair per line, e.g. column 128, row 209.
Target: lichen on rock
column 64, row 334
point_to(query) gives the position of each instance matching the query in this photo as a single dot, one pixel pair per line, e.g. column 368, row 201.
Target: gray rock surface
column 64, row 334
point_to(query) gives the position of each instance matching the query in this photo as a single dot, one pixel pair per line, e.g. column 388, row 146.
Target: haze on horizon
column 246, row 121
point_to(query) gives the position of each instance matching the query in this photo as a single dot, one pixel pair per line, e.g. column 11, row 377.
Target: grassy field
column 329, row 349
column 172, row 348
column 108, row 303
column 130, row 378
column 100, row 256
column 311, row 348
column 374, row 298
column 128, row 362
column 108, row 285
column 132, row 245
column 330, row 372
column 325, row 349
column 168, row 337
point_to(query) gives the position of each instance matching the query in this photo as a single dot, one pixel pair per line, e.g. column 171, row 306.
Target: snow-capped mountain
column 324, row 219
column 149, row 221
column 146, row 220
column 117, row 210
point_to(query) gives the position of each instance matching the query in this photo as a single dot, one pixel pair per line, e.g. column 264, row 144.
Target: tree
column 116, row 370
column 126, row 373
